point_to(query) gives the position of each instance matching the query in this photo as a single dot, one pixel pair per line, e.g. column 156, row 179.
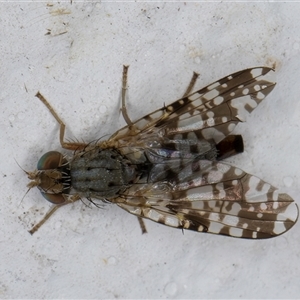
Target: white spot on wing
column 215, row 227
column 279, row 228
column 200, row 228
column 151, row 214
column 211, row 122
column 231, row 126
column 171, row 221
column 245, row 91
column 238, row 172
column 256, row 72
column 260, row 96
column 231, row 220
column 199, row 205
column 210, row 114
column 256, row 87
column 224, row 119
column 218, row 100
column 213, row 86
column 259, row 215
column 211, row 94
column 236, row 208
column 237, row 232
column 263, row 206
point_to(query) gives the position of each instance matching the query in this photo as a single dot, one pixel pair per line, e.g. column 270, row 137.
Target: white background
column 84, row 252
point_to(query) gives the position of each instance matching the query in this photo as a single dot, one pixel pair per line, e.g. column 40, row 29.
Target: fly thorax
column 99, row 173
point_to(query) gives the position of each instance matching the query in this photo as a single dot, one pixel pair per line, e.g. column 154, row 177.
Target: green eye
column 50, row 160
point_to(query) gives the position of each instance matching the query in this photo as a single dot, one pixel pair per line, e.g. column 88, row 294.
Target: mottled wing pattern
column 214, row 197
column 201, row 119
column 184, row 190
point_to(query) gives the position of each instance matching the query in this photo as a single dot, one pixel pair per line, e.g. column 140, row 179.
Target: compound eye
column 51, row 160
column 54, row 198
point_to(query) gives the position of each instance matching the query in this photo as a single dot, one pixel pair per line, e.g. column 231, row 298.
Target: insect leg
column 124, row 88
column 142, row 225
column 129, row 122
column 191, row 84
column 50, row 212
column 46, row 217
column 65, row 145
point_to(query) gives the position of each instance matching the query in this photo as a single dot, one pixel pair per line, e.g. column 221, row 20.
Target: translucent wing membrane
column 216, row 198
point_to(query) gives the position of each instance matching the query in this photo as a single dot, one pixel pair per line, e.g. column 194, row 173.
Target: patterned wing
column 216, row 198
column 195, row 123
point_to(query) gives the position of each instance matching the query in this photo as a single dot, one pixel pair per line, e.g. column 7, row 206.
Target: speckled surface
column 73, row 54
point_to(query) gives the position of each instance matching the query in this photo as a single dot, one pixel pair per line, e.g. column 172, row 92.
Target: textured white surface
column 92, row 253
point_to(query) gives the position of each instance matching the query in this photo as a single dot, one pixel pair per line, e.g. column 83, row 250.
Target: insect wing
column 209, row 114
column 216, row 198
column 188, row 192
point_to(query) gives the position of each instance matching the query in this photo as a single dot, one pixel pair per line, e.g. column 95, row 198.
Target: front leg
column 124, row 88
column 65, row 145
column 51, row 211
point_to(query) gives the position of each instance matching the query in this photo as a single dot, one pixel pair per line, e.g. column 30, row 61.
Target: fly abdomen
column 101, row 173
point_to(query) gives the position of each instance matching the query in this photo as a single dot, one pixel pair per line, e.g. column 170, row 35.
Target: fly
column 167, row 166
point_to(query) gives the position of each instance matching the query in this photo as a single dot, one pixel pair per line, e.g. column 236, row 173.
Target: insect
column 167, row 165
